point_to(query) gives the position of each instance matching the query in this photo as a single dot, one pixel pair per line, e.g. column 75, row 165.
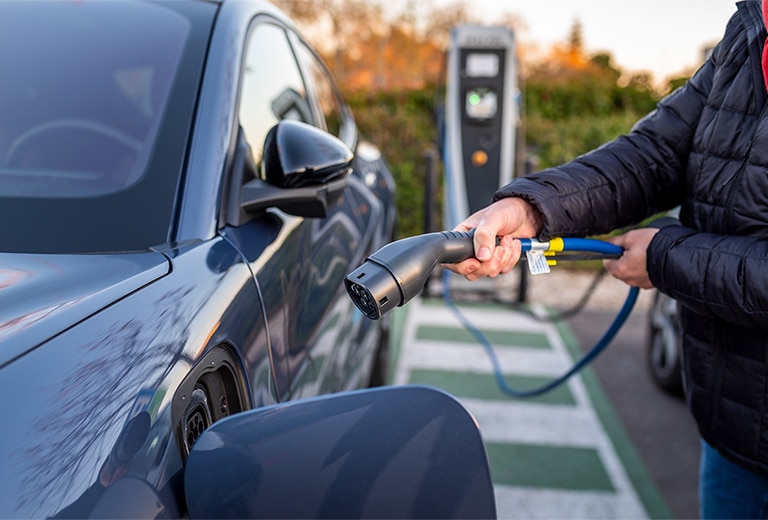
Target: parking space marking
column 448, row 355
column 473, row 385
column 551, row 457
column 534, row 424
column 546, row 504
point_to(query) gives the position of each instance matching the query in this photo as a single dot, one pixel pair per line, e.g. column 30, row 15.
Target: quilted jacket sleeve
column 642, row 173
column 625, row 180
column 718, row 276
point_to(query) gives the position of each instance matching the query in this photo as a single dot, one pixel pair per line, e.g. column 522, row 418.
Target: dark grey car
column 182, row 191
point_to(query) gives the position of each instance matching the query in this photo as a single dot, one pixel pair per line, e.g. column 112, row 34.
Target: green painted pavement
column 558, row 467
column 499, row 338
column 483, row 386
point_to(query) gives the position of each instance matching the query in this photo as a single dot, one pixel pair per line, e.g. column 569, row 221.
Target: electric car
column 663, row 345
column 182, row 192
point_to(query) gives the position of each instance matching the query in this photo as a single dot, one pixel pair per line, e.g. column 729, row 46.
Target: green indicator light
column 474, row 99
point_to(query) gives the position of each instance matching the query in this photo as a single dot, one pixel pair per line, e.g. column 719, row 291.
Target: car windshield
column 85, row 95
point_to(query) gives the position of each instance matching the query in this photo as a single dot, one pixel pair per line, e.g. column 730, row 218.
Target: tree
column 336, row 27
column 368, row 47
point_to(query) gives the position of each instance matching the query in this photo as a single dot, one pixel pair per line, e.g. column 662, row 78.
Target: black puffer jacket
column 704, row 148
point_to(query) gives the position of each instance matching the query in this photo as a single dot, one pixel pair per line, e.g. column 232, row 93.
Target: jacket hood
column 43, row 295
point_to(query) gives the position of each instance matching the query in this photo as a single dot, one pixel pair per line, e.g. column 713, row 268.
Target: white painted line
column 547, row 504
column 506, row 319
column 463, row 357
column 524, row 422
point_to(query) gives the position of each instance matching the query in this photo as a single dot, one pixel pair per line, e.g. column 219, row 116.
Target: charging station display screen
column 482, row 65
column 481, row 103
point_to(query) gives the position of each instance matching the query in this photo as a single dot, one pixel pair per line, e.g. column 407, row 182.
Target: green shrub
column 560, row 124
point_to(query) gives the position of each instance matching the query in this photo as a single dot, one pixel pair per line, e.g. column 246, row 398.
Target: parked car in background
column 182, row 191
column 663, row 353
column 663, row 345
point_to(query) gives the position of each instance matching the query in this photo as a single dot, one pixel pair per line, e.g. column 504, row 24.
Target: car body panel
column 213, row 139
column 102, row 355
column 313, row 327
column 85, row 385
column 42, row 295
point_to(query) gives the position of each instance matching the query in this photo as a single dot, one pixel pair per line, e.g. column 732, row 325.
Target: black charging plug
column 397, row 273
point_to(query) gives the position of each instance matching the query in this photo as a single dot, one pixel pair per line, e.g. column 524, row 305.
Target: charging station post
column 482, row 115
column 482, row 121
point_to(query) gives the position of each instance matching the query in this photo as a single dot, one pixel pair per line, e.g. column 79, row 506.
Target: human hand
column 631, row 266
column 508, row 218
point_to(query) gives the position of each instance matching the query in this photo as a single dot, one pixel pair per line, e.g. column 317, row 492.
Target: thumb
column 484, row 241
column 619, row 240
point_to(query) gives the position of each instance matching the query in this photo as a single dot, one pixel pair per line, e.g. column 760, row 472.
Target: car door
column 370, row 196
column 299, row 263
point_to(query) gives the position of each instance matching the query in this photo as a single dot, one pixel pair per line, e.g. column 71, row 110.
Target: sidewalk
column 560, row 455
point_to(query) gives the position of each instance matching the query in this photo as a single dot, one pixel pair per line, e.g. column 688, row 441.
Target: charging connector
column 396, row 273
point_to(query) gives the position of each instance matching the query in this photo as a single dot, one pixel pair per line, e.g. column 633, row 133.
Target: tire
column 663, row 345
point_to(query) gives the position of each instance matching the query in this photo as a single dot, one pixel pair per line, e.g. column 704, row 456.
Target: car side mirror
column 387, row 452
column 304, row 170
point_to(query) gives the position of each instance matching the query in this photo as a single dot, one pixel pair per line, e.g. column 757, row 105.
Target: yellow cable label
column 556, row 244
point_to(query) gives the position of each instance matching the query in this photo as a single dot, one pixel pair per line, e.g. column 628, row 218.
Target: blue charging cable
column 563, row 248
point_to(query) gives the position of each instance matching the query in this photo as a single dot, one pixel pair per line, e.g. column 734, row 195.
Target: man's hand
column 631, row 266
column 508, row 218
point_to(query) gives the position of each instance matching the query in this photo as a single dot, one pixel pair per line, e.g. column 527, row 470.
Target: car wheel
column 663, row 345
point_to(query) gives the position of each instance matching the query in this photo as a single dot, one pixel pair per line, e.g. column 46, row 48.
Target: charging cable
column 562, row 248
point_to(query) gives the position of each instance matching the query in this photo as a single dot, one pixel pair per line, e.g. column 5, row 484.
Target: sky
column 661, row 36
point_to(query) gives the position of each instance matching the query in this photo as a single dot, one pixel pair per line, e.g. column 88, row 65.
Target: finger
column 505, row 256
column 610, row 266
column 496, row 264
column 464, row 226
column 464, row 267
column 512, row 254
column 485, row 242
column 619, row 240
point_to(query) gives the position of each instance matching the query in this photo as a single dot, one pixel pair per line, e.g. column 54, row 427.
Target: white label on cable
column 537, row 262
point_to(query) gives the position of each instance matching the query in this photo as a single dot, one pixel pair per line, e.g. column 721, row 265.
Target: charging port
column 211, row 391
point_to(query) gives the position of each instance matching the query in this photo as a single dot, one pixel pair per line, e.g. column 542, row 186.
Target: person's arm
column 509, row 218
column 720, row 276
column 618, row 184
column 630, row 178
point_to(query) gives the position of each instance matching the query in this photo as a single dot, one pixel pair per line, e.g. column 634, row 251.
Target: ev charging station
column 479, row 127
column 482, row 115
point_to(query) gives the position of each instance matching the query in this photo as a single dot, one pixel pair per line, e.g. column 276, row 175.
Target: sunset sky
column 661, row 36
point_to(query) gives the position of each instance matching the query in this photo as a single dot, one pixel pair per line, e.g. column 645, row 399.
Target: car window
column 81, row 101
column 324, row 90
column 272, row 87
column 97, row 103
